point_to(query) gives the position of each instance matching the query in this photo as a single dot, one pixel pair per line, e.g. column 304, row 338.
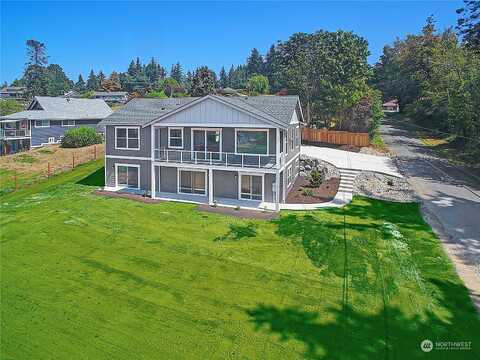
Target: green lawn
column 89, row 277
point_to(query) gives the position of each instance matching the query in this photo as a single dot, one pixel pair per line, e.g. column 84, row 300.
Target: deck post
column 152, row 158
column 210, row 186
column 277, row 190
column 277, row 150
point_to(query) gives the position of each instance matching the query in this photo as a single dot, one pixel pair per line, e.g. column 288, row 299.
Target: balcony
column 215, row 158
column 14, row 133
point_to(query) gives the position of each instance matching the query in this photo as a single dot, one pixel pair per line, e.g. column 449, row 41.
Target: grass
column 378, row 143
column 25, row 158
column 89, row 277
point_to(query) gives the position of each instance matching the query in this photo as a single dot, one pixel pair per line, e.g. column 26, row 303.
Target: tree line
column 435, row 75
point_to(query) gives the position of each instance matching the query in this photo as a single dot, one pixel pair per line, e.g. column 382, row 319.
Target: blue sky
column 106, row 35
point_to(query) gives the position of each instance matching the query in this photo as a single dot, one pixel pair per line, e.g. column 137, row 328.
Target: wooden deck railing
column 335, row 137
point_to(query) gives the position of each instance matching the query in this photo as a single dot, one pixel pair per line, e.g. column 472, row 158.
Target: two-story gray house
column 237, row 151
column 46, row 120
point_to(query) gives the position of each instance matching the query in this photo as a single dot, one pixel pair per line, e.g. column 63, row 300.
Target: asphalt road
column 450, row 198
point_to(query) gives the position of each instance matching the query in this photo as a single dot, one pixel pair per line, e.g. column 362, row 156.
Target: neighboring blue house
column 46, row 120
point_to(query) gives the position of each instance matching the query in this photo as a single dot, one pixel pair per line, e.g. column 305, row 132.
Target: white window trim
column 42, row 126
column 127, row 127
column 51, row 142
column 240, row 174
column 174, row 128
column 127, row 165
column 74, row 123
column 206, row 129
column 179, row 170
column 289, row 175
column 254, row 130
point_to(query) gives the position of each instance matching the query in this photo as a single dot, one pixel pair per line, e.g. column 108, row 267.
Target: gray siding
column 225, row 184
column 40, row 135
column 145, row 143
column 145, row 174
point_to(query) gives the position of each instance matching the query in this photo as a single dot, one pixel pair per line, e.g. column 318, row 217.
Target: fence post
column 73, row 159
column 94, row 152
column 48, row 170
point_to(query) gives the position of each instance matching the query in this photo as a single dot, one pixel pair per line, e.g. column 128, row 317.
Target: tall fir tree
column 203, row 82
column 254, row 63
column 223, row 78
column 35, row 75
column 92, row 82
column 177, row 73
column 80, row 84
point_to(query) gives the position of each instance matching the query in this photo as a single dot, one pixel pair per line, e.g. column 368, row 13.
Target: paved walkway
column 352, row 161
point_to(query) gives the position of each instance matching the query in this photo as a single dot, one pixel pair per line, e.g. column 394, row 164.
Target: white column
column 277, row 143
column 284, row 187
column 152, row 158
column 277, row 190
column 210, row 186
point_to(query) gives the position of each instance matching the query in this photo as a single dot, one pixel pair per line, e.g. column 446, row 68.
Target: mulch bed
column 135, row 197
column 324, row 193
column 241, row 213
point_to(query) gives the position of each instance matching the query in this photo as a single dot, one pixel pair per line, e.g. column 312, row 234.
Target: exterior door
column 251, row 187
column 206, row 141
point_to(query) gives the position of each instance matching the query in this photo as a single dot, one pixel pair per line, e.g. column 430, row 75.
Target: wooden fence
column 335, row 137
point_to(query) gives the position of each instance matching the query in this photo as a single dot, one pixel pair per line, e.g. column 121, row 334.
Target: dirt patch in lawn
column 303, row 193
column 241, row 213
column 135, row 197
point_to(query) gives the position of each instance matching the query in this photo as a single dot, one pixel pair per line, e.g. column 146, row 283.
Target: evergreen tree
column 132, row 70
column 152, row 72
column 92, row 82
column 100, row 77
column 223, row 78
column 57, row 82
column 254, row 63
column 468, row 25
column 36, row 53
column 112, row 83
column 203, row 82
column 188, row 82
column 177, row 73
column 80, row 84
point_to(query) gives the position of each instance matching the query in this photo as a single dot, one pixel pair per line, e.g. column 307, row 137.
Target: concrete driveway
column 350, row 160
column 450, row 200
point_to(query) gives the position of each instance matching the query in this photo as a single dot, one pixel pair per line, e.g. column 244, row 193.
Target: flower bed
column 303, row 193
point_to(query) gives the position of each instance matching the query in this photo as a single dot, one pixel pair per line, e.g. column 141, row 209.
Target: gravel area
column 308, row 163
column 383, row 187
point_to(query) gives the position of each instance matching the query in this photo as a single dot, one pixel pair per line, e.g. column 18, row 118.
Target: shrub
column 316, row 177
column 307, row 192
column 81, row 136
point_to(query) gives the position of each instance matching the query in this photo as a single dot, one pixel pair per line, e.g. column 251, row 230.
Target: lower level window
column 51, row 140
column 128, row 176
column 192, row 182
column 251, row 187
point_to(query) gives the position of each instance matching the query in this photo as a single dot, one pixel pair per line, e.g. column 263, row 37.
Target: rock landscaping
column 383, row 187
column 307, row 164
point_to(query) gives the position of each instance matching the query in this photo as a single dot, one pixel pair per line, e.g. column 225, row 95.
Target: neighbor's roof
column 60, row 108
column 140, row 111
column 13, row 89
column 110, row 93
column 393, row 102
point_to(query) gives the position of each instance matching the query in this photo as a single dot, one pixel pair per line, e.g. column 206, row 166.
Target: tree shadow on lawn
column 389, row 333
column 238, row 232
column 97, row 178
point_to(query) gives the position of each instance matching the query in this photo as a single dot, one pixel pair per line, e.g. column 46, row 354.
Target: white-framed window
column 127, row 176
column 192, row 182
column 68, row 122
column 127, row 137
column 251, row 187
column 42, row 123
column 251, row 141
column 291, row 139
column 51, row 140
column 289, row 175
column 175, row 137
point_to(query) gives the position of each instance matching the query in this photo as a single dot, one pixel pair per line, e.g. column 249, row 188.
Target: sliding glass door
column 128, row 176
column 251, row 187
column 192, row 182
column 205, row 141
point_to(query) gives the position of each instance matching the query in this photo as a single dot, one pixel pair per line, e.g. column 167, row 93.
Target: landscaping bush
column 307, row 192
column 316, row 177
column 81, row 136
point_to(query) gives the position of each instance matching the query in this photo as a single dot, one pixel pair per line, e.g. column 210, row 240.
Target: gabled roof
column 275, row 109
column 393, row 102
column 60, row 108
column 110, row 93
